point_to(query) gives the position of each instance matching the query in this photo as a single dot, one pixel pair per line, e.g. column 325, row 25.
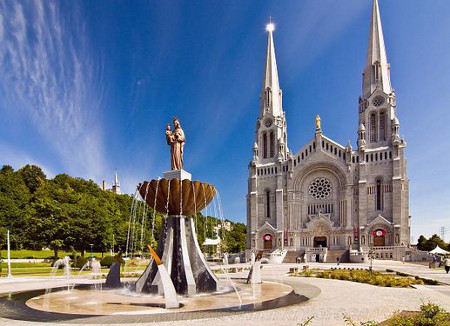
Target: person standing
column 447, row 264
column 338, row 260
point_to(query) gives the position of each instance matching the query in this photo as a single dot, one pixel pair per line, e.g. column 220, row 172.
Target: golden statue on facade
column 318, row 126
column 175, row 139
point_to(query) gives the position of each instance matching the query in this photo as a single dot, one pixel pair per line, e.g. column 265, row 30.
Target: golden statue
column 318, row 126
column 175, row 139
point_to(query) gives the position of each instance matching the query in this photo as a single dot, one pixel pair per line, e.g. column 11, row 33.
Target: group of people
column 444, row 262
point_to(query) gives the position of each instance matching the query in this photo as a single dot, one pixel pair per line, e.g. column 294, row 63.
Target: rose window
column 320, row 188
column 377, row 101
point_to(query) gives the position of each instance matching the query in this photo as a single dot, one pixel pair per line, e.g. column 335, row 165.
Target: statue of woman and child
column 175, row 139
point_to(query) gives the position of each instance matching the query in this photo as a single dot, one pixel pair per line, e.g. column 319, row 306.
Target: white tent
column 438, row 251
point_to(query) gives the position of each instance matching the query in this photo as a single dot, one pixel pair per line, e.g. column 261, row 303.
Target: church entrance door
column 320, row 241
column 379, row 238
column 379, row 241
column 268, row 244
column 267, row 240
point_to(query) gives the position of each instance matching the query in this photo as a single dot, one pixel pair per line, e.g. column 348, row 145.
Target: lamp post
column 9, row 255
column 371, row 254
column 113, row 244
column 92, row 256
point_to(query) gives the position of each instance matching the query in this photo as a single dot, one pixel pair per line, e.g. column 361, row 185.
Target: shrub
column 107, row 261
column 80, row 261
column 430, row 315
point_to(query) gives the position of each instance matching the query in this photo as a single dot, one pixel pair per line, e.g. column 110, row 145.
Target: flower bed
column 363, row 276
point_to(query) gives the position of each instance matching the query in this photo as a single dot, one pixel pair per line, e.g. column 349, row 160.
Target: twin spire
column 270, row 95
column 376, row 72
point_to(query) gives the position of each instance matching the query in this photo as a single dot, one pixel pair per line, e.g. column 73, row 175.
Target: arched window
column 264, row 145
column 382, row 126
column 268, row 203
column 379, row 194
column 373, row 127
column 272, row 144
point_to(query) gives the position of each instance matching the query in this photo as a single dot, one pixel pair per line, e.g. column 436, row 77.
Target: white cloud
column 50, row 77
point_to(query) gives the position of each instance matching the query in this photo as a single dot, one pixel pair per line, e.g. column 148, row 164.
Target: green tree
column 33, row 176
column 50, row 223
column 14, row 206
column 431, row 243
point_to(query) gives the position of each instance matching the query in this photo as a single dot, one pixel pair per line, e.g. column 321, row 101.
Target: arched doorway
column 268, row 241
column 379, row 238
column 320, row 241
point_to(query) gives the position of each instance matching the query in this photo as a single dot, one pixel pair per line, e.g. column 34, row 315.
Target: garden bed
column 364, row 276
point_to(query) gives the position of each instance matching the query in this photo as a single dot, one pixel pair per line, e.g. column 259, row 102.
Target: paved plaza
column 328, row 300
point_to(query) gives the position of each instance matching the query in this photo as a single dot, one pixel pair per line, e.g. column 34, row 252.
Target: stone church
column 329, row 200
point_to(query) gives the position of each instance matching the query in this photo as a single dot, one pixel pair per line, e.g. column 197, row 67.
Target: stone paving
column 328, row 302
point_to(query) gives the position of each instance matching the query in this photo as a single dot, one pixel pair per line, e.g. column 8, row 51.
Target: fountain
column 177, row 282
column 178, row 246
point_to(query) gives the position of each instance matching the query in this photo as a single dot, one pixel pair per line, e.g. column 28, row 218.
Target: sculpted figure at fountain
column 175, row 139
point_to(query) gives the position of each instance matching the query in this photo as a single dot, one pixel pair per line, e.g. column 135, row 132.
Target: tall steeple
column 271, row 92
column 376, row 72
column 116, row 184
column 271, row 129
column 377, row 104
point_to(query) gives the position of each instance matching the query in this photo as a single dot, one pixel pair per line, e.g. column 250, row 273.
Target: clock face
column 268, row 122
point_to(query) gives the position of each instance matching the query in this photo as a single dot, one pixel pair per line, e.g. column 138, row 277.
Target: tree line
column 68, row 213
column 431, row 243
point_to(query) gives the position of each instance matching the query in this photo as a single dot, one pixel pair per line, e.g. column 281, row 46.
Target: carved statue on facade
column 175, row 139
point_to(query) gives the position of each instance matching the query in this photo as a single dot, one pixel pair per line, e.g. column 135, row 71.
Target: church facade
column 329, row 197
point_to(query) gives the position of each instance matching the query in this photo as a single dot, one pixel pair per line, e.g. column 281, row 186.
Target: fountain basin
column 85, row 306
column 176, row 197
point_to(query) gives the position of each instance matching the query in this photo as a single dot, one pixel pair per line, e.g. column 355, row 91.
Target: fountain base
column 183, row 259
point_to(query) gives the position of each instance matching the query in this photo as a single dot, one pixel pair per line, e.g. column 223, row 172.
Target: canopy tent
column 438, row 251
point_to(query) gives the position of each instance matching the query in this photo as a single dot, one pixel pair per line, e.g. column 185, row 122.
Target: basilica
column 327, row 200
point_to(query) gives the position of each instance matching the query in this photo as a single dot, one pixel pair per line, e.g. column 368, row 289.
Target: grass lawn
column 40, row 254
column 44, row 269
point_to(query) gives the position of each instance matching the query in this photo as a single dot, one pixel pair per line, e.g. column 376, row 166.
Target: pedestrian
column 447, row 264
column 403, row 259
column 338, row 260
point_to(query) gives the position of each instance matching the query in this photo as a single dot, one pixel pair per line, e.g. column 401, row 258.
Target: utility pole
column 443, row 231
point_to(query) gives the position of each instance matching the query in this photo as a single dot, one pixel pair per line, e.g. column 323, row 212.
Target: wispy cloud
column 49, row 76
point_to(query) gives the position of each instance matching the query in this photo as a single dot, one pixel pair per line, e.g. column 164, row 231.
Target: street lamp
column 92, row 245
column 371, row 256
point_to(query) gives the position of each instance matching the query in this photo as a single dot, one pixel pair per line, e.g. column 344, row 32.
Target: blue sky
column 86, row 87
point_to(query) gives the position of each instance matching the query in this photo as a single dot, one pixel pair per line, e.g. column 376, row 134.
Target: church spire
column 116, row 179
column 376, row 72
column 116, row 184
column 271, row 93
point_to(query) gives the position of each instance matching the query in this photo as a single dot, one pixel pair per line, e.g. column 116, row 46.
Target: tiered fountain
column 178, row 196
column 177, row 276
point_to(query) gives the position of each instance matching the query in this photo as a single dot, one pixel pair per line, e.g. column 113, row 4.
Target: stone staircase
column 291, row 256
column 343, row 254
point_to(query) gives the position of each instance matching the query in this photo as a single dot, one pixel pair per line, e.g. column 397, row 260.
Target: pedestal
column 177, row 174
column 181, row 255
